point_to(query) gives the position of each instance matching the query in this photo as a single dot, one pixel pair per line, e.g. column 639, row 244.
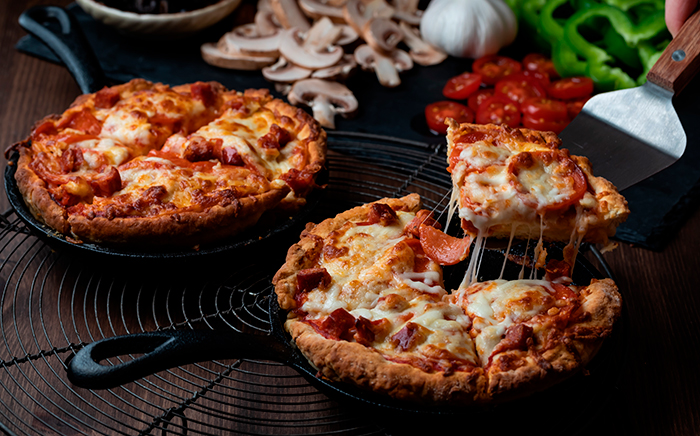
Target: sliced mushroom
column 412, row 18
column 232, row 59
column 316, row 9
column 283, row 88
column 355, row 15
column 290, row 15
column 246, row 40
column 264, row 5
column 386, row 68
column 322, row 35
column 285, row 72
column 382, row 34
column 340, row 71
column 406, row 5
column 378, row 8
column 292, row 47
column 407, row 11
column 421, row 52
column 325, row 98
column 266, row 23
column 347, row 35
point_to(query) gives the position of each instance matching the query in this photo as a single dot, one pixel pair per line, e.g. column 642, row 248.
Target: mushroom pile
column 308, row 48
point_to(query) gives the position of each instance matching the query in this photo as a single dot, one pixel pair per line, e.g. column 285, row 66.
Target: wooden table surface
column 659, row 390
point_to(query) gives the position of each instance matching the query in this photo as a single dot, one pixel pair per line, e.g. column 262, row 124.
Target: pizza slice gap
column 519, row 184
column 530, row 334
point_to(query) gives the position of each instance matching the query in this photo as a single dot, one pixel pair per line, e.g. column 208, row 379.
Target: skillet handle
column 163, row 350
column 61, row 32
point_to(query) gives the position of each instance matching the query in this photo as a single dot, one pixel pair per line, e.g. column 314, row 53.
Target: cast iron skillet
column 266, row 231
column 167, row 349
column 61, row 32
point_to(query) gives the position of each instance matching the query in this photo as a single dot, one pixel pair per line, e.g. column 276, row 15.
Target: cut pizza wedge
column 518, row 183
column 530, row 334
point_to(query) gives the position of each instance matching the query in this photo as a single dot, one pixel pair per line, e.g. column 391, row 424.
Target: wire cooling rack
column 54, row 302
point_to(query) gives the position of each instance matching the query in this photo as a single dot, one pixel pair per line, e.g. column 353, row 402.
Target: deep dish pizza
column 367, row 305
column 145, row 163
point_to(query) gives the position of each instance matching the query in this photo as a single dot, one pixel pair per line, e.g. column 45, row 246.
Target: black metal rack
column 55, row 301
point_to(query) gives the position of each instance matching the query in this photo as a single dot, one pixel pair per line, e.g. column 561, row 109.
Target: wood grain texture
column 671, row 72
column 658, row 392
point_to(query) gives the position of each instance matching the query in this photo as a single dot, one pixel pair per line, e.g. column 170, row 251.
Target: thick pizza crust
column 550, row 358
column 353, row 363
column 189, row 228
column 36, row 196
column 179, row 227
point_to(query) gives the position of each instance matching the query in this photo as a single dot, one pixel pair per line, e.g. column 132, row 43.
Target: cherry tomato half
column 519, row 87
column 540, row 62
column 545, row 108
column 493, row 68
column 570, row 88
column 545, row 125
column 478, row 97
column 436, row 113
column 499, row 109
column 462, row 86
column 542, row 78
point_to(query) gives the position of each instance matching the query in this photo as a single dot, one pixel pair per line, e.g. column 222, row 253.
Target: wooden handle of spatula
column 681, row 60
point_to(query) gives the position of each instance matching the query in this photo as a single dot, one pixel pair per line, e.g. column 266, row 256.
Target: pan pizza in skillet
column 367, row 305
column 146, row 163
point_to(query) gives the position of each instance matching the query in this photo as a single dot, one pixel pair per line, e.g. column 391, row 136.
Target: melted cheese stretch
column 375, row 280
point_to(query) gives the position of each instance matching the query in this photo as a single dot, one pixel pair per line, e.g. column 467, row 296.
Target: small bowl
column 159, row 25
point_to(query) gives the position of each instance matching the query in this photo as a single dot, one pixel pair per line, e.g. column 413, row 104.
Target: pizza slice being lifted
column 518, row 183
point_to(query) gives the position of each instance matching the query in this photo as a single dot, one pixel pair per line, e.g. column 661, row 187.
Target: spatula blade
column 627, row 135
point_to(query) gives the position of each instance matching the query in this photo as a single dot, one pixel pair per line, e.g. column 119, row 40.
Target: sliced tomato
column 478, row 97
column 538, row 174
column 545, row 125
column 499, row 109
column 519, row 87
column 570, row 88
column 542, row 78
column 574, row 106
column 541, row 63
column 462, row 86
column 436, row 114
column 443, row 248
column 544, row 108
column 493, row 68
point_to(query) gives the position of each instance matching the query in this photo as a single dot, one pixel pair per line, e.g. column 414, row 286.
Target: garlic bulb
column 468, row 28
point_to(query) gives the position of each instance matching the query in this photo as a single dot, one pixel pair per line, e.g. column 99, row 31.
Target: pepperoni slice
column 442, row 248
column 547, row 180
